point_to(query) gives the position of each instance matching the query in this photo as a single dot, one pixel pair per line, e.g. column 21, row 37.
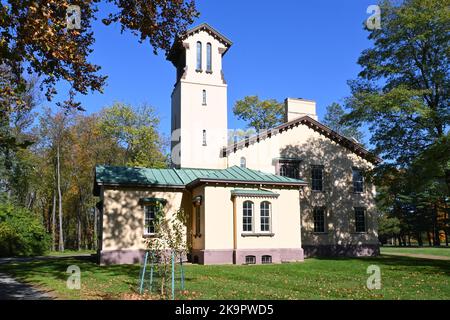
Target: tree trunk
column 95, row 229
column 419, row 239
column 79, row 227
column 54, row 222
column 409, row 240
column 446, row 237
column 437, row 240
column 429, row 239
column 61, row 236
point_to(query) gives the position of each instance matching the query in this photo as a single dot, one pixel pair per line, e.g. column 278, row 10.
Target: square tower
column 199, row 99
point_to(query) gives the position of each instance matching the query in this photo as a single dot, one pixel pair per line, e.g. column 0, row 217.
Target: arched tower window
column 199, row 56
column 208, row 58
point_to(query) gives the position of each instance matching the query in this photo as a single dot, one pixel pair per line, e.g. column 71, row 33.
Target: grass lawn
column 69, row 252
column 441, row 251
column 345, row 278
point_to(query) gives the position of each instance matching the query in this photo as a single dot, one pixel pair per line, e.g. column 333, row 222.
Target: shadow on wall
column 338, row 199
column 123, row 234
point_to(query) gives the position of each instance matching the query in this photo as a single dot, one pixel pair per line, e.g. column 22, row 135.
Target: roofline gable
column 316, row 126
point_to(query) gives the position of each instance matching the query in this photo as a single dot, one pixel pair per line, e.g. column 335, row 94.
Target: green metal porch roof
column 180, row 178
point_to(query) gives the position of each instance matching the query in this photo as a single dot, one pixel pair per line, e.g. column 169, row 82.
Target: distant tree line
column 52, row 179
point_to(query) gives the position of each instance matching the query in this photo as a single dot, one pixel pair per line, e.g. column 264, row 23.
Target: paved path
column 11, row 289
column 416, row 255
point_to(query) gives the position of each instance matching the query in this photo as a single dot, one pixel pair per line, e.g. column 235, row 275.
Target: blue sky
column 287, row 48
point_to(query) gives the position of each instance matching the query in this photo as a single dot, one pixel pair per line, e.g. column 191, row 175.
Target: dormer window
column 208, row 58
column 199, row 56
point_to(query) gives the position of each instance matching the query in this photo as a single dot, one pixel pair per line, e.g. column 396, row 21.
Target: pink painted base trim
column 124, row 257
column 280, row 255
column 121, row 256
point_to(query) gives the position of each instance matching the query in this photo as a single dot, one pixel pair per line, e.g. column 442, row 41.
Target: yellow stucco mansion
column 291, row 192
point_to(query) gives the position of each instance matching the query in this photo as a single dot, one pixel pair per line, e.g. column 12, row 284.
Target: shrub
column 21, row 232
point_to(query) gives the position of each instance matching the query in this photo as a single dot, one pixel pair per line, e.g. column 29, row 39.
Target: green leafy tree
column 402, row 95
column 402, row 91
column 388, row 228
column 334, row 119
column 21, row 232
column 260, row 114
column 134, row 129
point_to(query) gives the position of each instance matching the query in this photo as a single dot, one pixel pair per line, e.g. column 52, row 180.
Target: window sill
column 198, row 70
column 149, row 235
column 360, row 232
column 204, row 104
column 197, row 235
column 320, row 233
column 259, row 234
column 317, row 191
column 209, row 71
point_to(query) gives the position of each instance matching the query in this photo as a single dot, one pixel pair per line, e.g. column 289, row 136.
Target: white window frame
column 269, row 217
column 199, row 56
column 209, row 57
column 252, row 218
column 148, row 221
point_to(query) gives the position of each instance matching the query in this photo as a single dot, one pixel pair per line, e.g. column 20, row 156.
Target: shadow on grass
column 43, row 272
column 399, row 261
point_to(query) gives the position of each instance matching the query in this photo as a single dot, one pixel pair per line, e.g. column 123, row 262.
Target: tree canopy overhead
column 34, row 37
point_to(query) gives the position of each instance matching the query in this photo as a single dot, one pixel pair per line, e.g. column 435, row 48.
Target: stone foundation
column 364, row 250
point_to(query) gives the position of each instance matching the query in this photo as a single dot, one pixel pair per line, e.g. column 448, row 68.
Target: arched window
column 250, row 260
column 266, row 259
column 243, row 162
column 204, row 97
column 208, row 58
column 247, row 216
column 265, row 209
column 199, row 56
